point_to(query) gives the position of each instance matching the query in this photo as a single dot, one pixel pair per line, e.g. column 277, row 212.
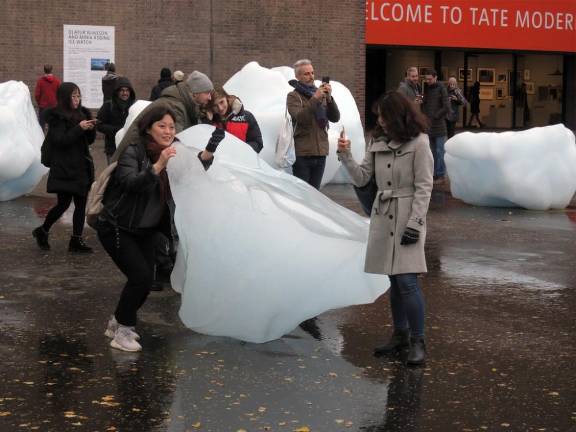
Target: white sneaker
column 113, row 326
column 124, row 340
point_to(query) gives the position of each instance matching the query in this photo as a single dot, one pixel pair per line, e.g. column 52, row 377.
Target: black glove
column 205, row 163
column 217, row 136
column 410, row 236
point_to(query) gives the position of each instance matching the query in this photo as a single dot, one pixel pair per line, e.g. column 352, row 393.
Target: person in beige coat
column 402, row 164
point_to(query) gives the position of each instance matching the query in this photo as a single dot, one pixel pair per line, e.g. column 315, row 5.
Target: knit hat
column 199, row 83
column 178, row 75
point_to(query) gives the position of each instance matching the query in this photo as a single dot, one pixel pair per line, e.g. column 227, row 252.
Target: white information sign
column 86, row 50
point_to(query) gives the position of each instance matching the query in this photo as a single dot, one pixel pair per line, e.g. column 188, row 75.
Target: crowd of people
column 403, row 158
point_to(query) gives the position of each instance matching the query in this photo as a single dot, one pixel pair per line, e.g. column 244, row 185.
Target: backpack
column 285, row 154
column 94, row 203
column 46, row 152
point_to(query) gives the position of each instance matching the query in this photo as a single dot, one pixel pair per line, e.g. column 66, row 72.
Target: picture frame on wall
column 486, row 76
column 501, row 92
column 526, row 74
column 530, row 88
column 487, row 93
column 502, row 77
column 422, row 71
column 461, row 74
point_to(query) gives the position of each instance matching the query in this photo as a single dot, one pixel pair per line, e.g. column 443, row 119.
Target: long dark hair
column 403, row 121
column 153, row 115
column 64, row 97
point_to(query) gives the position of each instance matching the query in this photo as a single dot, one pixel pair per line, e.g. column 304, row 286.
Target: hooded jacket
column 112, row 115
column 45, row 91
column 240, row 123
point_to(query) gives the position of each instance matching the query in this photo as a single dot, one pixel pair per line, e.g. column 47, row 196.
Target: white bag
column 285, row 155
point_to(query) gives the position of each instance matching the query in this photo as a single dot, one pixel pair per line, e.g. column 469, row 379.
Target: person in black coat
column 71, row 131
column 112, row 115
column 164, row 81
column 475, row 105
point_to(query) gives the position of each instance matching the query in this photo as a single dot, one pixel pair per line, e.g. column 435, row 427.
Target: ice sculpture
column 260, row 251
column 263, row 92
column 20, row 141
column 534, row 169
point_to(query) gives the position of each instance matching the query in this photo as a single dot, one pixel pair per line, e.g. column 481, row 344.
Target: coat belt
column 385, row 197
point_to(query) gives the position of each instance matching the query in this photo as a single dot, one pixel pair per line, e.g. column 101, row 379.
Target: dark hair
column 165, row 73
column 431, row 72
column 64, row 95
column 47, row 68
column 152, row 116
column 403, row 121
column 217, row 93
column 110, row 67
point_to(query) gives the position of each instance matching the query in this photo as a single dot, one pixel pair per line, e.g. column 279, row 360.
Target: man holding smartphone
column 311, row 109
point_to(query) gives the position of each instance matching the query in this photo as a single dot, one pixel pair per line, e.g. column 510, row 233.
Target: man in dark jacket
column 311, row 108
column 109, row 81
column 436, row 106
column 45, row 93
column 164, row 81
column 112, row 115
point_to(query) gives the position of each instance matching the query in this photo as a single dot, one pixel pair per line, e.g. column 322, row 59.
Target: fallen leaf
column 302, row 429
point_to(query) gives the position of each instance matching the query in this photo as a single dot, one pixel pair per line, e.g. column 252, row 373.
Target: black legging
column 64, row 200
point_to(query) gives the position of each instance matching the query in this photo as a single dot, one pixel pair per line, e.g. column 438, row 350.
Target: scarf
column 321, row 113
column 153, row 150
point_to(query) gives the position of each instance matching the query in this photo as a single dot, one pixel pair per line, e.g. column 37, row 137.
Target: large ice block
column 20, row 140
column 260, row 251
column 534, row 169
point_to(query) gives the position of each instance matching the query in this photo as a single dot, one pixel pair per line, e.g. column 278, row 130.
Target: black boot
column 41, row 237
column 417, row 353
column 77, row 245
column 400, row 339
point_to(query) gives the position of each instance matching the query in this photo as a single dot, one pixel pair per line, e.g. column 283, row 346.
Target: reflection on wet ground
column 500, row 324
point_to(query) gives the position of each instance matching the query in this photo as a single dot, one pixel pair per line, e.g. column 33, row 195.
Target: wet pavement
column 501, row 302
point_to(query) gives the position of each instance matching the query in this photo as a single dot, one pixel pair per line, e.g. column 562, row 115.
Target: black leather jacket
column 132, row 201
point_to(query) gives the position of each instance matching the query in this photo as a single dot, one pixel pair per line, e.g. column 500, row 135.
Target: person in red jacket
column 45, row 93
column 227, row 112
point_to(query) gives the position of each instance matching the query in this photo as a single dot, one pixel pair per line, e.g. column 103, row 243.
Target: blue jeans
column 407, row 303
column 310, row 169
column 437, row 144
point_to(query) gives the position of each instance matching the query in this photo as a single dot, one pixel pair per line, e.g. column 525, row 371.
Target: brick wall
column 214, row 36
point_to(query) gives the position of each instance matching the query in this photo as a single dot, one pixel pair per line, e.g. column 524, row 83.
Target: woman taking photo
column 70, row 133
column 228, row 113
column 135, row 210
column 401, row 162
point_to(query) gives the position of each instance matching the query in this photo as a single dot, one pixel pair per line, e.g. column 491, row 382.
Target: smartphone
column 343, row 133
column 326, row 80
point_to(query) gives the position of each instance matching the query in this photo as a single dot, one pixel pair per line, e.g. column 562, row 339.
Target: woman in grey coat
column 402, row 164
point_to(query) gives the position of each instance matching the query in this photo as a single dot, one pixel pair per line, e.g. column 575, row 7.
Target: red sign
column 532, row 25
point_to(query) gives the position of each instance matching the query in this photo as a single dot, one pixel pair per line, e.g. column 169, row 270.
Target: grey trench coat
column 403, row 173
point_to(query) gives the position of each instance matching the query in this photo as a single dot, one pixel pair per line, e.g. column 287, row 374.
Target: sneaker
column 41, row 237
column 124, row 340
column 77, row 245
column 113, row 326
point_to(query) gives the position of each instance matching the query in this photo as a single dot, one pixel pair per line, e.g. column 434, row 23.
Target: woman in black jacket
column 71, row 131
column 135, row 210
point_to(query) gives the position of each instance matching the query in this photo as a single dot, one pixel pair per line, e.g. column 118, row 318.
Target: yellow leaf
column 302, row 429
column 196, row 425
column 5, row 413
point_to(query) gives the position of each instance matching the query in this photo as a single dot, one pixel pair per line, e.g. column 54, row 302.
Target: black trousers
column 134, row 256
column 310, row 169
column 64, row 200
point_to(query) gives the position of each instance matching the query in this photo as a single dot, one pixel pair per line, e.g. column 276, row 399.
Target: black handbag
column 366, row 195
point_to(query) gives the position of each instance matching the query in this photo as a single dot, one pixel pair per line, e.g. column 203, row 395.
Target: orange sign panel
column 532, row 25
